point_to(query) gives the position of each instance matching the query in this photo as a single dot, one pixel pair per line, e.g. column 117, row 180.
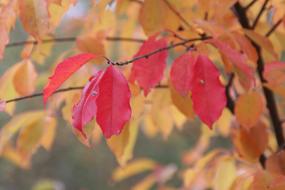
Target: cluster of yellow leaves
column 33, row 130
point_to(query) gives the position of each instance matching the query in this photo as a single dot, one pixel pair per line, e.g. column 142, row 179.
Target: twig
column 250, row 4
column 177, row 13
column 259, row 14
column 59, row 91
column 72, row 39
column 41, row 94
column 273, row 28
column 159, row 50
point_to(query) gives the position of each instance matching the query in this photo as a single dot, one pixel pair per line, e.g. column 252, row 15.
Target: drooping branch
column 259, row 14
column 273, row 28
column 71, row 39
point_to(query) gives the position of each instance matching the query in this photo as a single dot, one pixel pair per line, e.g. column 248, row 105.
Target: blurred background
column 70, row 165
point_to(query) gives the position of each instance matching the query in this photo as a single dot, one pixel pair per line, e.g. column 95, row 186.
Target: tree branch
column 59, row 91
column 72, row 39
column 250, row 4
column 273, row 28
column 145, row 56
column 259, row 14
column 269, row 96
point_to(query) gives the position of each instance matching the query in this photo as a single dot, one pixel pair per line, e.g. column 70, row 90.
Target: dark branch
column 145, row 56
column 269, row 96
column 259, row 14
column 59, row 91
column 72, row 39
column 273, row 28
column 41, row 94
column 250, row 4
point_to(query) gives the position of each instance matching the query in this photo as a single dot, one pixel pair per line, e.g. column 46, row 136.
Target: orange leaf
column 249, row 108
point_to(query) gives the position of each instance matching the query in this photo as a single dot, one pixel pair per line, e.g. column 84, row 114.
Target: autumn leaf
column 84, row 111
column 208, row 93
column 113, row 102
column 244, row 72
column 251, row 143
column 64, row 70
column 182, row 72
column 149, row 71
column 248, row 109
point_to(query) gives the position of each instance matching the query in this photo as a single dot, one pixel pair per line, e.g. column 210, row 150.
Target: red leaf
column 64, row 70
column 113, row 102
column 181, row 73
column 208, row 94
column 149, row 71
column 244, row 71
column 85, row 110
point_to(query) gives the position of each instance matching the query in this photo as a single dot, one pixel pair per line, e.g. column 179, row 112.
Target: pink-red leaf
column 85, row 110
column 181, row 73
column 149, row 71
column 113, row 102
column 208, row 94
column 244, row 71
column 64, row 70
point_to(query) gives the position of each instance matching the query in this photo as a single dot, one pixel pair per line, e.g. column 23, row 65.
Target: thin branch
column 145, row 56
column 273, row 28
column 259, row 14
column 162, row 86
column 250, row 4
column 177, row 13
column 41, row 94
column 72, row 39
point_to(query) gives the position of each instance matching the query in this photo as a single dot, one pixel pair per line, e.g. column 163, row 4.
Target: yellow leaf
column 25, row 78
column 248, row 109
column 183, row 103
column 34, row 17
column 16, row 123
column 92, row 44
column 49, row 126
column 133, row 168
column 123, row 145
column 225, row 174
